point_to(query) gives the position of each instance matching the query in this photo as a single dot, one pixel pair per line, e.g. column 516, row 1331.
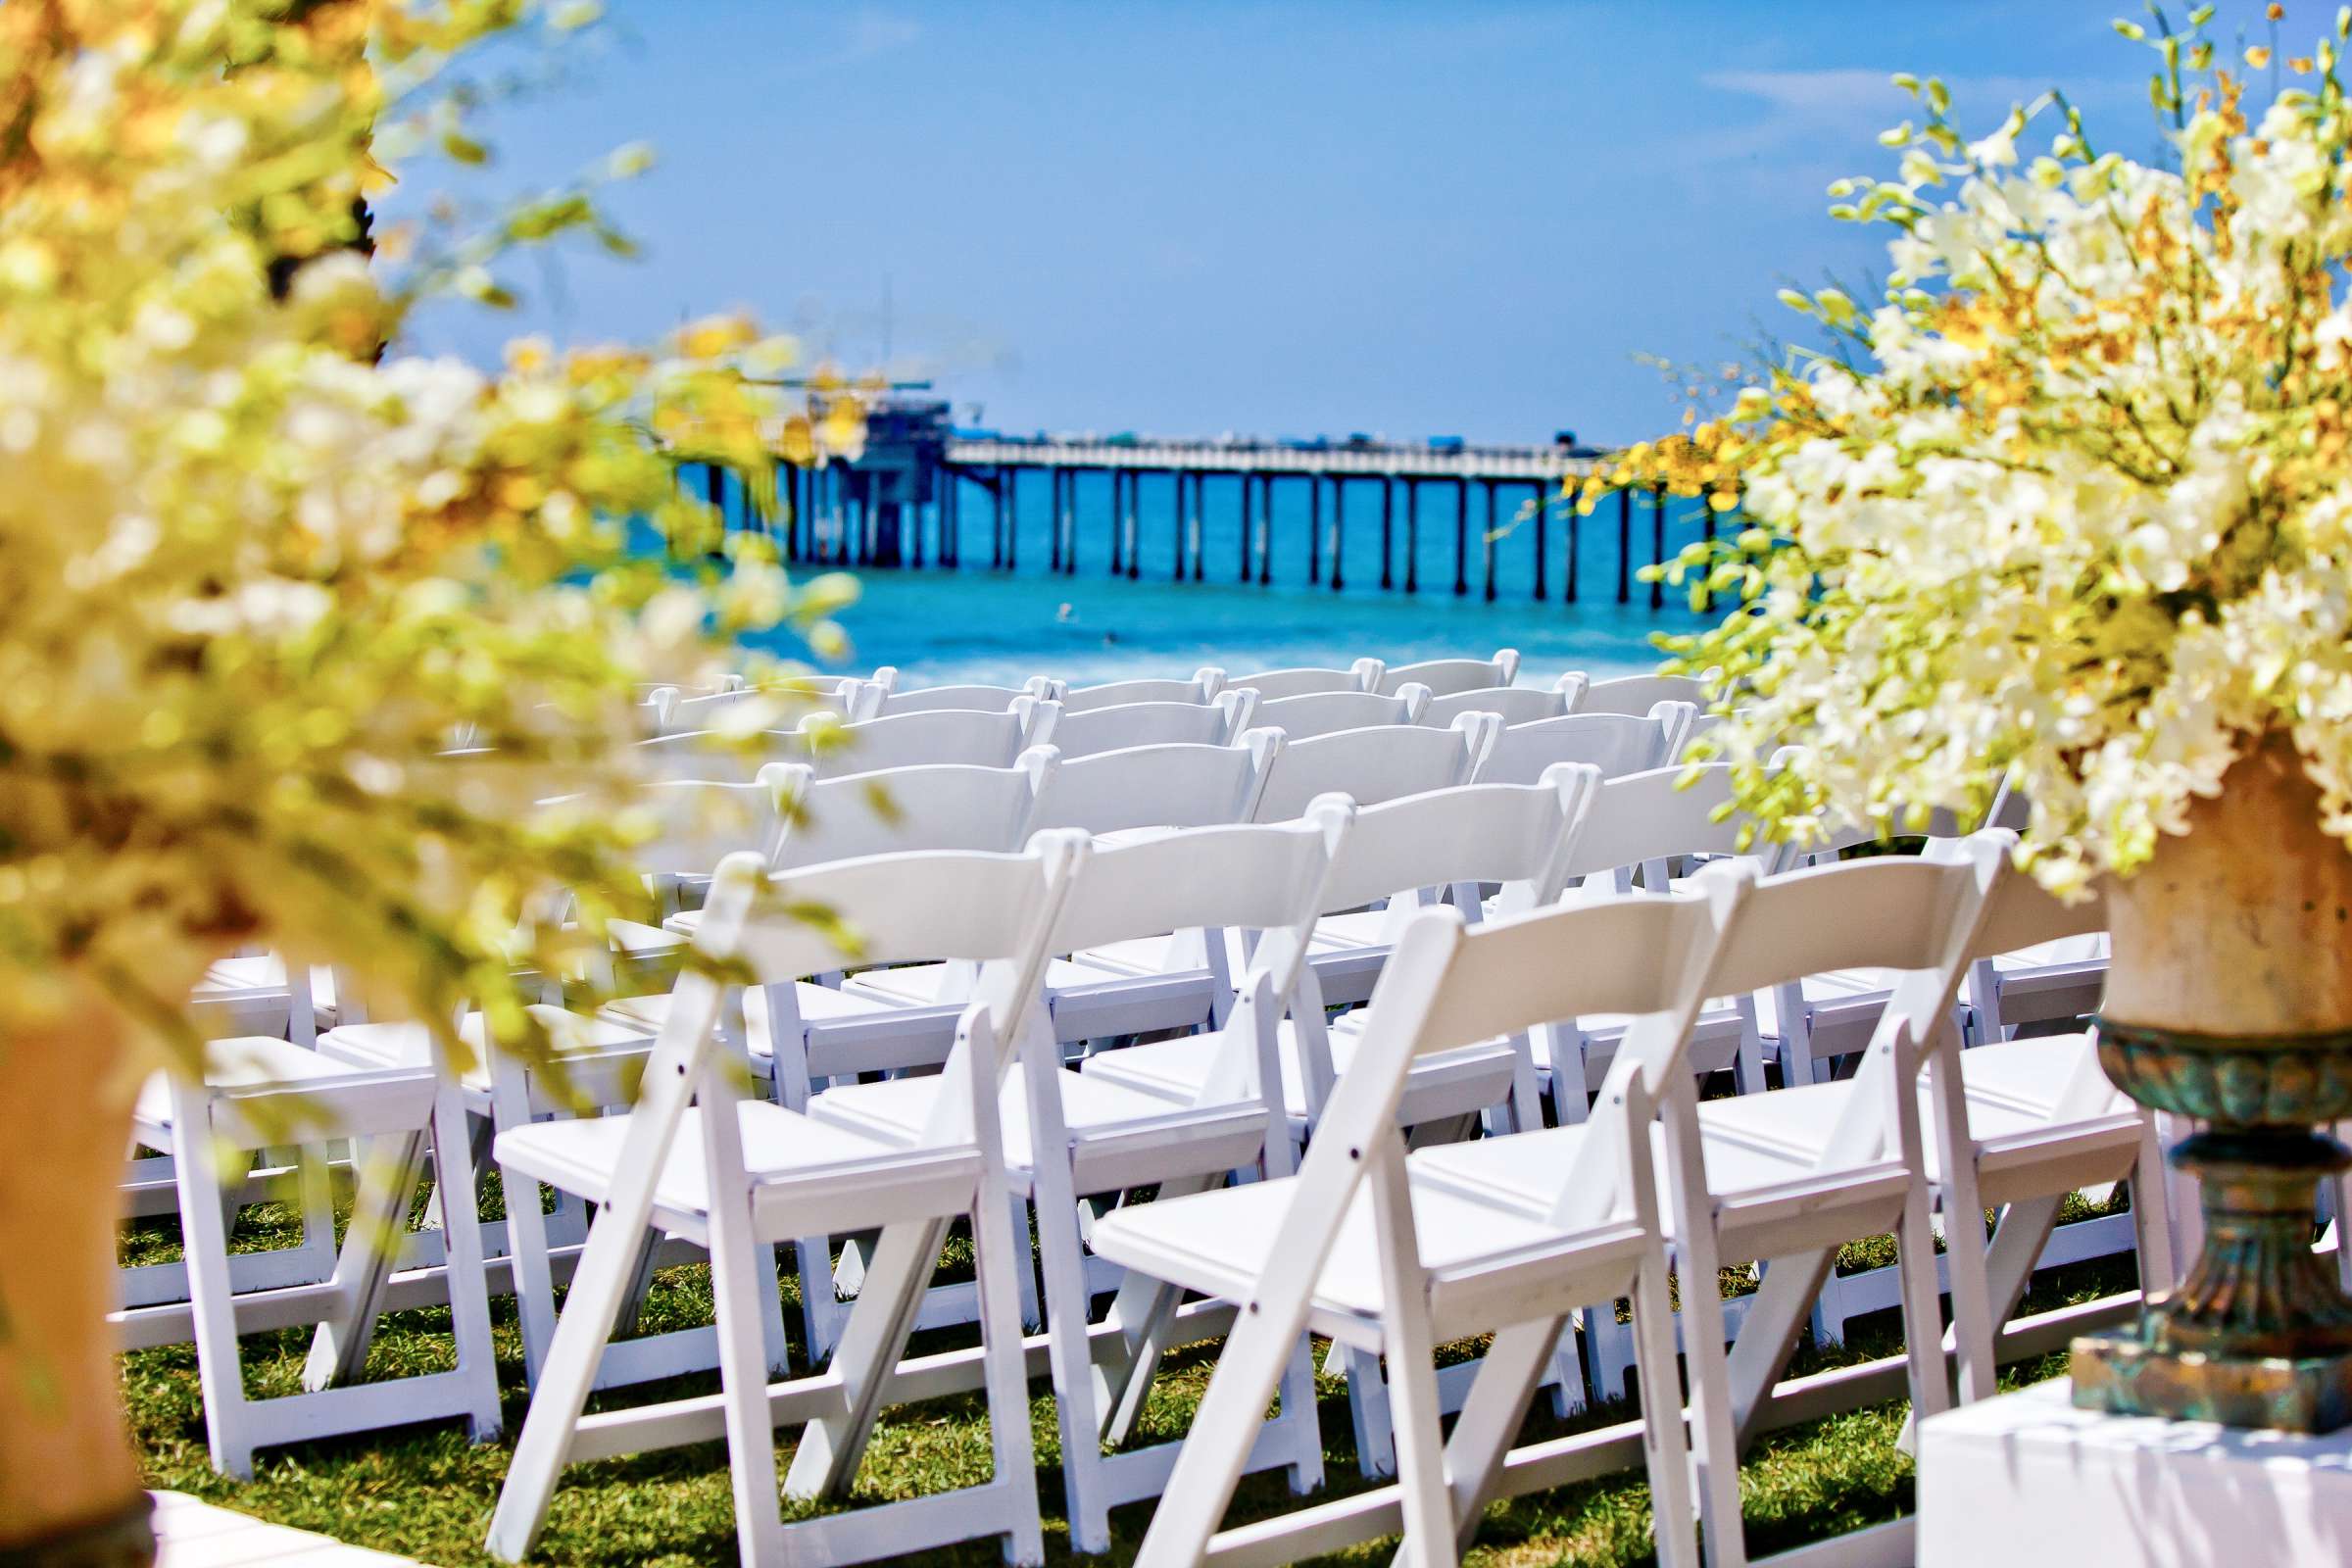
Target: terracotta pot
column 66, row 1459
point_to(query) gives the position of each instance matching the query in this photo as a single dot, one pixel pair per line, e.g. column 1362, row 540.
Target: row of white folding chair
column 693, row 1156
column 1075, row 1141
column 1783, row 1177
column 898, row 1018
column 1442, row 677
column 831, row 745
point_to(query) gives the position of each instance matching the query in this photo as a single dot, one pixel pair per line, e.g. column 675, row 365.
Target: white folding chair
column 1069, row 1137
column 743, row 1174
column 1108, row 729
column 1203, row 687
column 2038, row 1119
column 1617, row 744
column 1510, row 705
column 1272, row 684
column 1639, row 694
column 259, row 1093
column 1357, row 1247
column 1445, row 677
column 1324, row 713
column 1787, row 1177
column 1371, row 765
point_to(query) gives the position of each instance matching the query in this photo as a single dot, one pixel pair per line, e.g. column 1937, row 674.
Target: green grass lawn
column 426, row 1493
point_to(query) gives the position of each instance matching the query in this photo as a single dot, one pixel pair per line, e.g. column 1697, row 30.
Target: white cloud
column 872, row 33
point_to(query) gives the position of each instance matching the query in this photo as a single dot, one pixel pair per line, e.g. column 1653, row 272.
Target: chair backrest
column 707, row 755
column 1648, row 817
column 1323, row 712
column 1512, row 705
column 994, row 910
column 938, row 807
column 1111, row 729
column 934, row 699
column 1155, row 786
column 1446, row 676
column 1639, row 694
column 1513, row 834
column 950, row 735
column 2023, row 913
column 1371, row 765
column 1448, row 985
column 1203, row 687
column 1617, row 744
column 1272, row 684
column 700, row 823
column 1245, row 876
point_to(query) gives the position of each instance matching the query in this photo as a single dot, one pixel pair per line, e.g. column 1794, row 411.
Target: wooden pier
column 902, row 504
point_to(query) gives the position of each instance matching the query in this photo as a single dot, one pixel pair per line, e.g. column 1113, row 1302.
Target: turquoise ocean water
column 978, row 624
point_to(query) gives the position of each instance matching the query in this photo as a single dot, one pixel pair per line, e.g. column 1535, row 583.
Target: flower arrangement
column 2071, row 505
column 258, row 574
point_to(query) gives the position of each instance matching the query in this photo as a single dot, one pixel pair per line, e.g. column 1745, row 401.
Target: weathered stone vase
column 69, row 1493
column 2229, row 1000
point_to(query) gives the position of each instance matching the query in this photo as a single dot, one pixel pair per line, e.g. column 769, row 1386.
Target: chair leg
column 379, row 1216
column 560, row 1391
column 533, row 1275
column 1923, row 1319
column 462, row 1227
column 211, row 1304
column 1368, row 1410
column 1004, row 1362
column 1411, row 1353
column 2154, row 1235
column 1494, row 1412
column 872, row 1340
column 1068, row 1316
column 737, row 1281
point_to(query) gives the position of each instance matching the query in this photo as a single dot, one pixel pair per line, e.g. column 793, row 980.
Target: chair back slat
column 1202, row 688
column 2023, row 913
column 702, row 823
column 1639, row 694
column 1445, row 677
column 1617, row 744
column 1370, row 765
column 1146, row 723
column 1893, row 912
column 1662, row 812
column 1361, row 676
column 941, row 806
column 1511, row 704
column 1326, row 712
column 1244, row 877
column 917, row 907
column 1156, row 786
column 1507, row 833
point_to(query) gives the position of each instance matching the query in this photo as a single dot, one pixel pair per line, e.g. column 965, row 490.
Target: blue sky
column 1276, row 218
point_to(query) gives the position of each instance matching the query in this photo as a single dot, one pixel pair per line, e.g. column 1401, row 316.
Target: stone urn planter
column 2229, row 1000
column 69, row 1491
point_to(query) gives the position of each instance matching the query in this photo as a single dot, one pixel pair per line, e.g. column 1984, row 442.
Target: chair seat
column 1760, row 1149
column 1719, row 1025
column 1178, row 1070
column 855, row 1179
column 1473, row 1254
column 816, row 1004
column 247, row 992
column 1356, row 928
column 409, row 1043
column 2032, row 1073
column 898, row 1111
column 921, row 983
column 241, row 1061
